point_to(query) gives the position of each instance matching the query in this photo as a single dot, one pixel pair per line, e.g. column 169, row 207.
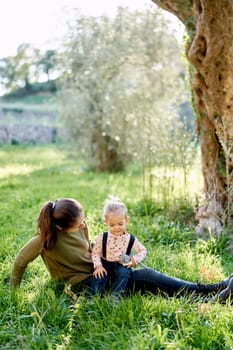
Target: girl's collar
column 111, row 234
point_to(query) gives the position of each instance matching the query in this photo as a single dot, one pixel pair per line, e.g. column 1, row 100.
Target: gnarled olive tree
column 209, row 49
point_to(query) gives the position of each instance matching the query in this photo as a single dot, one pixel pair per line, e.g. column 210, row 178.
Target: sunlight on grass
column 36, row 156
column 19, row 169
column 40, row 316
column 177, row 182
column 169, row 184
column 195, row 181
column 22, row 162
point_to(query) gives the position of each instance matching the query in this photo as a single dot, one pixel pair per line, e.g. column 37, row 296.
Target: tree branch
column 182, row 9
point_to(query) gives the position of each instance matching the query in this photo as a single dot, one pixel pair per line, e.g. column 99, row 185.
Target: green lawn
column 37, row 317
column 36, row 103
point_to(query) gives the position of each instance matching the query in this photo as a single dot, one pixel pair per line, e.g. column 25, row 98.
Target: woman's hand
column 99, row 272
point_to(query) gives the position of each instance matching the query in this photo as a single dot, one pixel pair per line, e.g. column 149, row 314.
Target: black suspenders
column 130, row 245
column 104, row 244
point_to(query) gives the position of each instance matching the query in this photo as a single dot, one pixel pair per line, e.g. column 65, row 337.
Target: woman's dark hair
column 62, row 213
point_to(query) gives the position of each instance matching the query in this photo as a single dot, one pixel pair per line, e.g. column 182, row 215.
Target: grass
column 36, row 103
column 38, row 317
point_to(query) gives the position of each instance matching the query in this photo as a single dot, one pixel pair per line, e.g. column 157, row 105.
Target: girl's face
column 116, row 223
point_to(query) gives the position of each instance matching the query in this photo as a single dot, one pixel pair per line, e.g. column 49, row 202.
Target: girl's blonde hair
column 113, row 204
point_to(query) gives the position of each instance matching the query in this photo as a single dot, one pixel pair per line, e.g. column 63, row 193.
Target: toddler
column 109, row 247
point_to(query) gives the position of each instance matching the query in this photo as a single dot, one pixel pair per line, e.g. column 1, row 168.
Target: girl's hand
column 99, row 272
column 132, row 263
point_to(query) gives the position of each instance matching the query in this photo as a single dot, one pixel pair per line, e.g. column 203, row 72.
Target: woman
column 63, row 243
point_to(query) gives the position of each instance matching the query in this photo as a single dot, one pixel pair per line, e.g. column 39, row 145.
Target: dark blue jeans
column 148, row 280
column 117, row 278
column 144, row 280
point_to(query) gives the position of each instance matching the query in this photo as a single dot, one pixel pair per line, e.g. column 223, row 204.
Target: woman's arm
column 30, row 251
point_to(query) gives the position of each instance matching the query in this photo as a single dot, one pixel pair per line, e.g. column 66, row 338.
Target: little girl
column 109, row 247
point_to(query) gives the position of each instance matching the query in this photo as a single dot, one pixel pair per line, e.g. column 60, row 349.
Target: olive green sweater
column 69, row 260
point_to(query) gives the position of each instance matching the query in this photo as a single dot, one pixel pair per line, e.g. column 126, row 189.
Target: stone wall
column 33, row 134
column 27, row 127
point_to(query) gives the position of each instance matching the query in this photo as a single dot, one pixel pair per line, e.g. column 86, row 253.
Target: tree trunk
column 104, row 152
column 209, row 24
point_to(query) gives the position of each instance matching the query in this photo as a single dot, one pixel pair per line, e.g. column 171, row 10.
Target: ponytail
column 46, row 227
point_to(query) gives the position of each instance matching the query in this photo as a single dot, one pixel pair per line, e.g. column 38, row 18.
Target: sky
column 43, row 23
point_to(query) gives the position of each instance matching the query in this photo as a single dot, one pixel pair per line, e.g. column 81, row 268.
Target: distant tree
column 25, row 59
column 8, row 73
column 113, row 95
column 18, row 71
column 47, row 62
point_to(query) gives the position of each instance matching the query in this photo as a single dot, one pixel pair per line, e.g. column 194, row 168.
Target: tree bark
column 209, row 25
